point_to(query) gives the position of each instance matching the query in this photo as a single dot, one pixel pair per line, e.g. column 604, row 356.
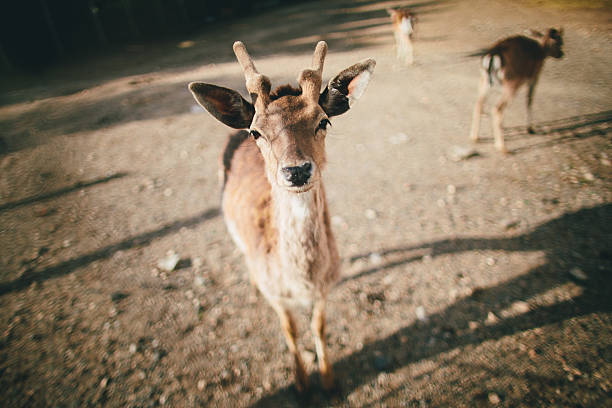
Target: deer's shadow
column 574, row 240
column 560, row 131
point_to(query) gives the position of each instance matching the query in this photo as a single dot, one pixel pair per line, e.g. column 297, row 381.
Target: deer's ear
column 227, row 105
column 534, row 33
column 346, row 87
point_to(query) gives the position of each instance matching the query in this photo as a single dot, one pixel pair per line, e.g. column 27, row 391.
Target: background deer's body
column 273, row 197
column 512, row 62
column 402, row 23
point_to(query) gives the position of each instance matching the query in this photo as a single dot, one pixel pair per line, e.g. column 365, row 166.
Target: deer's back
column 521, row 57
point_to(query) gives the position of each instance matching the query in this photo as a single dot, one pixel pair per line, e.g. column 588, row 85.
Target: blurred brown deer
column 403, row 22
column 273, row 196
column 512, row 62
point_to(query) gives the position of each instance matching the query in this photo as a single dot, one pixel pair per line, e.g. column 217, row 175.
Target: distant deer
column 513, row 61
column 403, row 22
column 273, row 197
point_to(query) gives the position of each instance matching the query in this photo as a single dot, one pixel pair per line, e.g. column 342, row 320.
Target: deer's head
column 289, row 125
column 552, row 41
column 404, row 18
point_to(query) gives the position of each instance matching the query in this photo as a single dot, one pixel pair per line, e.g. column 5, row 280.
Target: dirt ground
column 483, row 281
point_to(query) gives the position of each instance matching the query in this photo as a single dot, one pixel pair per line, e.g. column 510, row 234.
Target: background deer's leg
column 409, row 51
column 318, row 330
column 290, row 331
column 398, row 44
column 498, row 114
column 483, row 88
column 530, row 93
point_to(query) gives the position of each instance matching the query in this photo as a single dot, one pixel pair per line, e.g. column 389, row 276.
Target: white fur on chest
column 303, row 250
column 406, row 26
column 300, row 228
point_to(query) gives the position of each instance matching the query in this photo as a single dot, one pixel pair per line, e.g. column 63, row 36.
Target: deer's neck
column 300, row 222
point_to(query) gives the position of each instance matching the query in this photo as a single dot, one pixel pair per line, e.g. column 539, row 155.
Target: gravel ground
column 480, row 281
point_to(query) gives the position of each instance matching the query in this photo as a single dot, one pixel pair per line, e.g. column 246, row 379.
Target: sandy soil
column 478, row 282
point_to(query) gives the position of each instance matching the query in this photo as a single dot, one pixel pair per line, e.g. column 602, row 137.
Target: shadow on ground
column 33, row 274
column 559, row 131
column 574, row 240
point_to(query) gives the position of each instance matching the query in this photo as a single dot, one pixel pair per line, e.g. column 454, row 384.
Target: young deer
column 273, row 197
column 403, row 22
column 513, row 61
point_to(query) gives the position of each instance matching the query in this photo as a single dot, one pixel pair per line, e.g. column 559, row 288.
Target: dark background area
column 37, row 33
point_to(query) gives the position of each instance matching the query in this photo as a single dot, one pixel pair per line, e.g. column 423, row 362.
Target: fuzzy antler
column 257, row 84
column 310, row 79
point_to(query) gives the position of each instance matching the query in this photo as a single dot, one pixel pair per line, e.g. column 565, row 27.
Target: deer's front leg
column 398, row 45
column 290, row 331
column 530, row 93
column 318, row 330
column 409, row 58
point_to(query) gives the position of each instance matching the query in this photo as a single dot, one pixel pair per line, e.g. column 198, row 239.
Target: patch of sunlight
column 561, row 293
column 558, row 294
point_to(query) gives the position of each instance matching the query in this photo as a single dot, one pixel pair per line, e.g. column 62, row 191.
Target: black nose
column 298, row 175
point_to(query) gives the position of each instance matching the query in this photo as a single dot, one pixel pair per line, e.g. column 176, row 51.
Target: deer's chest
column 303, row 255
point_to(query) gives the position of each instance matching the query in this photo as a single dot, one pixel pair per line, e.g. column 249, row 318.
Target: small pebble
column 169, row 262
column 199, row 281
column 201, row 385
column 375, row 258
column 491, row 319
column 494, row 398
column 370, row 214
column 577, row 273
column 510, row 224
column 197, row 262
column 420, row 314
column 337, row 220
column 399, row 139
column 458, row 153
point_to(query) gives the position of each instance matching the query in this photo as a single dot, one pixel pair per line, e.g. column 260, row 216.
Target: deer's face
column 403, row 19
column 290, row 134
column 290, row 124
column 554, row 42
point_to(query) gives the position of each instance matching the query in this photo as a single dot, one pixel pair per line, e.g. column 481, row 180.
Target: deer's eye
column 323, row 124
column 255, row 134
